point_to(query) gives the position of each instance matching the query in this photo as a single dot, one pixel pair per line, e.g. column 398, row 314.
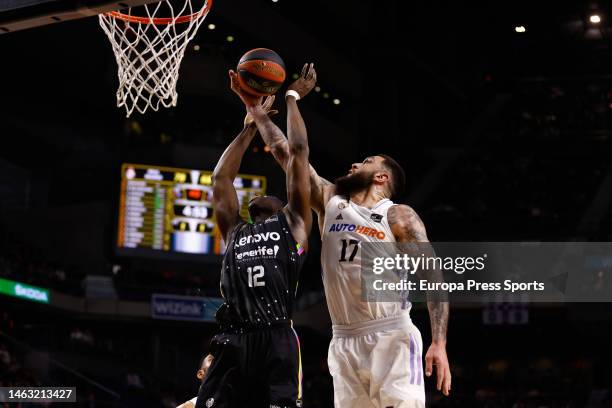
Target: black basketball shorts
column 257, row 368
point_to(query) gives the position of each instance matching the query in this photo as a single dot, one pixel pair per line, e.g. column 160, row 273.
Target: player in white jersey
column 375, row 356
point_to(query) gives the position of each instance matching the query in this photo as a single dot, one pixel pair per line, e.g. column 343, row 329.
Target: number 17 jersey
column 346, row 228
column 260, row 274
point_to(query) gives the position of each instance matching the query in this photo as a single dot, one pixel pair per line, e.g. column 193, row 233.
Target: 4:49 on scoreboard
column 170, row 209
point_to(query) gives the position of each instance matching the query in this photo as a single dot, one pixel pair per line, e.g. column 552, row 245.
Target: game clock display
column 170, row 209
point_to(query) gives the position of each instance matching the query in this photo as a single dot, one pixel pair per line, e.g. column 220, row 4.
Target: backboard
column 17, row 15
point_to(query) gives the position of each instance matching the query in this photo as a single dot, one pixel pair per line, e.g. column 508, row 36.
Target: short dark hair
column 398, row 176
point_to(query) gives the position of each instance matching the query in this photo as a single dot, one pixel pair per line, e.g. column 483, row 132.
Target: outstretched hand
column 252, row 103
column 436, row 356
column 265, row 107
column 306, row 82
column 247, row 99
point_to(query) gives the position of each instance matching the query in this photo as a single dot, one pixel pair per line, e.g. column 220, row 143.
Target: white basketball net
column 149, row 50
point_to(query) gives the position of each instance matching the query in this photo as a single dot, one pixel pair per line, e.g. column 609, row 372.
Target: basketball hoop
column 149, row 50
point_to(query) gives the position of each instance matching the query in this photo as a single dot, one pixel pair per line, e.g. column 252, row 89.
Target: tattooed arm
column 321, row 189
column 408, row 228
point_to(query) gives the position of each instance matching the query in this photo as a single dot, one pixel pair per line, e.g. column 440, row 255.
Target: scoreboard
column 170, row 210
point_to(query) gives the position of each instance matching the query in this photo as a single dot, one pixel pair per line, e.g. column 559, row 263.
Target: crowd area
column 535, row 168
column 26, row 263
column 536, row 173
column 535, row 369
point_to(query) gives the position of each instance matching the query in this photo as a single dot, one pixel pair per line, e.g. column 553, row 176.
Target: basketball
column 261, row 72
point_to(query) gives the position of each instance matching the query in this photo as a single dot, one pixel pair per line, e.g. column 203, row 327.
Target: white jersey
column 346, row 226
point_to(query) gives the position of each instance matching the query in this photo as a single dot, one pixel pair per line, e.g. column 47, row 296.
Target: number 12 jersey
column 260, row 274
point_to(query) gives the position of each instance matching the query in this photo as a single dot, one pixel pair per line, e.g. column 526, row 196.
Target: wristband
column 291, row 92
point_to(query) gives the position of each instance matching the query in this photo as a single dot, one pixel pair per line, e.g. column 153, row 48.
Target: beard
column 353, row 183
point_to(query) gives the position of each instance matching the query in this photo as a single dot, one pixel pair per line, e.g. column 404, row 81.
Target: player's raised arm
column 271, row 133
column 298, row 168
column 225, row 200
column 321, row 189
column 407, row 227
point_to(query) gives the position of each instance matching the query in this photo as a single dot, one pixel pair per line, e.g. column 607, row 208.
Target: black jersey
column 260, row 273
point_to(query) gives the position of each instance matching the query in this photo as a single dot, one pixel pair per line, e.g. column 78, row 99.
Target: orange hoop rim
column 162, row 20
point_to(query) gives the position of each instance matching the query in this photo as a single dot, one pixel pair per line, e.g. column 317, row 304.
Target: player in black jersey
column 256, row 354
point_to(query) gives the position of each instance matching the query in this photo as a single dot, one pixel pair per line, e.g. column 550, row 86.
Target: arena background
column 504, row 135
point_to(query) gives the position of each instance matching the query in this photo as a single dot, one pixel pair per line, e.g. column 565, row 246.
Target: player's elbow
column 299, row 148
column 280, row 154
column 217, row 177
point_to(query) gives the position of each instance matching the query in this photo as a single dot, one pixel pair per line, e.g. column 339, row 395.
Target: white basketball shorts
column 377, row 364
